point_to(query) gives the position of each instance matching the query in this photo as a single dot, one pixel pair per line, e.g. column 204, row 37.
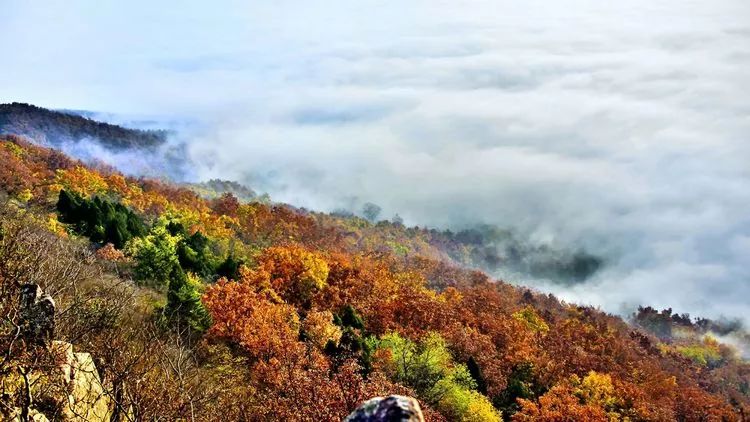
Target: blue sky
column 621, row 127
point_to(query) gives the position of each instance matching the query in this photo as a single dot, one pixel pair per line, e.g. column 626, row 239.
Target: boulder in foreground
column 389, row 409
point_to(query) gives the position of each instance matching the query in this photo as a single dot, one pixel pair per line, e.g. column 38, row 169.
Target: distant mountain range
column 54, row 128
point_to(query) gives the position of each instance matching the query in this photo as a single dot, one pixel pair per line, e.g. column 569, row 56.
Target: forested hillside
column 55, row 128
column 208, row 307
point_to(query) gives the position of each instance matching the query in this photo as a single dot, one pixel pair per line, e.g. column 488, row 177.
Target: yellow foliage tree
column 82, row 180
column 531, row 319
column 596, row 388
column 320, row 329
column 293, row 272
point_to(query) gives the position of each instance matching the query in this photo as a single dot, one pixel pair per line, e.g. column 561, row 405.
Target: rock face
column 68, row 390
column 37, row 314
column 87, row 398
column 388, row 409
column 71, row 390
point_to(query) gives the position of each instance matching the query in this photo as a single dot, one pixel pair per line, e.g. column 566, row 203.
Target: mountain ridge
column 316, row 313
column 56, row 127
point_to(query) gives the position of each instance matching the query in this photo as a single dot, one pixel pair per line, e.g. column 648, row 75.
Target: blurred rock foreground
column 389, row 409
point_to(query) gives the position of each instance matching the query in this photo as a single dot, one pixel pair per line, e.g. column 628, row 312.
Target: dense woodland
column 55, row 127
column 207, row 307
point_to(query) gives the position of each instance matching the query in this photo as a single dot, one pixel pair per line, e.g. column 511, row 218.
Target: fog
column 621, row 129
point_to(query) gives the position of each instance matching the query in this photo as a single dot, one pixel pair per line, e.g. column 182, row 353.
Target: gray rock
column 36, row 314
column 389, row 409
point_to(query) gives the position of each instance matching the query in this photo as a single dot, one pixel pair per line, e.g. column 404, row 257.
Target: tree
column 101, row 220
column 371, row 211
column 226, row 204
column 349, row 317
column 250, row 319
column 476, row 374
column 319, row 329
column 194, row 254
column 429, row 368
column 155, row 255
column 229, row 268
column 559, row 404
column 589, row 398
column 522, row 384
column 293, row 272
column 529, row 317
column 466, row 405
column 15, row 177
column 184, row 301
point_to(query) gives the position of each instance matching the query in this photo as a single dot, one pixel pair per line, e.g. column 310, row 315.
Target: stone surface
column 73, row 385
column 36, row 314
column 389, row 409
column 87, row 398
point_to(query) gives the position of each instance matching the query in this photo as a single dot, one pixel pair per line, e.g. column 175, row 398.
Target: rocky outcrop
column 70, row 391
column 67, row 387
column 36, row 314
column 389, row 409
column 87, row 399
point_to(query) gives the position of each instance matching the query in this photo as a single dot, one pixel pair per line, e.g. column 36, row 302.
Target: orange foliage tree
column 241, row 315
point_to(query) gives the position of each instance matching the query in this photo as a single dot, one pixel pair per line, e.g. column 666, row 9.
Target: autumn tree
column 429, row 368
column 241, row 315
column 319, row 329
column 226, row 204
column 293, row 272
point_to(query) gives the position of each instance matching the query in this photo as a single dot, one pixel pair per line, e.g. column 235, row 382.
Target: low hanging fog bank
column 618, row 129
column 610, row 130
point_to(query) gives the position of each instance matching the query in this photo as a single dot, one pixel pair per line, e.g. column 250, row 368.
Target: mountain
column 212, row 308
column 485, row 247
column 54, row 128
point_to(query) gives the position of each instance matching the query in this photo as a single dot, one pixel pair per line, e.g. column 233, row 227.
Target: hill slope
column 262, row 311
column 485, row 247
column 53, row 128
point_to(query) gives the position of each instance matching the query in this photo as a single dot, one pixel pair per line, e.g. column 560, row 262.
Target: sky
column 618, row 127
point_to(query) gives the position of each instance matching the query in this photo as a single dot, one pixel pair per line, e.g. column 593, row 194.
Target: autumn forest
column 194, row 302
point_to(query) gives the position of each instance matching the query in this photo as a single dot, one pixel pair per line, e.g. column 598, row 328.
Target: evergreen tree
column 184, row 301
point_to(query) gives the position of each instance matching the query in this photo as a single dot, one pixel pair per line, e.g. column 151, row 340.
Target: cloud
column 618, row 128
